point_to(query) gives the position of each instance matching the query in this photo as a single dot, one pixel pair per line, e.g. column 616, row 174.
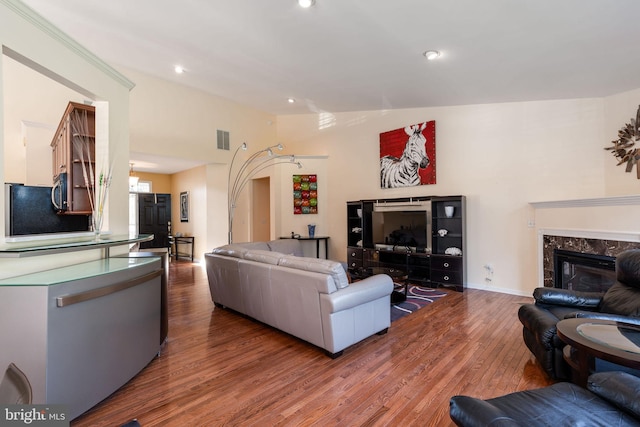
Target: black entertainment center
column 424, row 236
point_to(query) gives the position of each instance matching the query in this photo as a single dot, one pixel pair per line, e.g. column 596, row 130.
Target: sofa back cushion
column 628, row 268
column 236, row 251
column 335, row 269
column 286, row 246
column 621, row 299
column 266, row 257
column 261, row 246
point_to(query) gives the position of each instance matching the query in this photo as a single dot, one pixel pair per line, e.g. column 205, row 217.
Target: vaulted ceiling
column 354, row 55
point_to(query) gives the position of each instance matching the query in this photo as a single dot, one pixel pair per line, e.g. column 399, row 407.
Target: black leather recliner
column 621, row 303
column 612, row 399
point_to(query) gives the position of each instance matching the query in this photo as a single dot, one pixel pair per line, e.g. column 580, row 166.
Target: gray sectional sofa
column 308, row 298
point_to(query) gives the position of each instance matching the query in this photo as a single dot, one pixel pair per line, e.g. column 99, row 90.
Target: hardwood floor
column 219, row 368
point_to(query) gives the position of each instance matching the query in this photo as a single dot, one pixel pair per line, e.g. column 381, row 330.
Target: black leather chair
column 612, row 399
column 621, row 302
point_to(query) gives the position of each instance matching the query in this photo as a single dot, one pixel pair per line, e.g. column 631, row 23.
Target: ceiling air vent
column 223, row 140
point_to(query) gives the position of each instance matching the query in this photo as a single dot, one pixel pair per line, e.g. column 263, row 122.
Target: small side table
column 589, row 339
column 317, row 239
column 184, row 240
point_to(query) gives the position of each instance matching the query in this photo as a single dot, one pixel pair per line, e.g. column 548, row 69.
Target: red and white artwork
column 408, row 156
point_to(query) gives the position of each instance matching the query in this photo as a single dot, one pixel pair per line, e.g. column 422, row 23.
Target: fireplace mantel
column 599, row 201
column 624, row 236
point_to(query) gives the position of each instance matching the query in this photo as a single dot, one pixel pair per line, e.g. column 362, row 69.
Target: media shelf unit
column 432, row 262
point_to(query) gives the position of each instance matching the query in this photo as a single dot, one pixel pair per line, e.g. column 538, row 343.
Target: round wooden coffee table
column 608, row 340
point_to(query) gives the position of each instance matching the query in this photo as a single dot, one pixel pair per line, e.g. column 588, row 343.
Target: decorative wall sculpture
column 305, row 194
column 408, row 156
column 623, row 147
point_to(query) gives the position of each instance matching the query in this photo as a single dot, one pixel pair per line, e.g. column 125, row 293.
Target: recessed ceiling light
column 306, row 3
column 179, row 69
column 291, row 100
column 431, row 54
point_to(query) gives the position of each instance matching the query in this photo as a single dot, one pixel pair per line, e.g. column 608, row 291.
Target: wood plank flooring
column 219, row 368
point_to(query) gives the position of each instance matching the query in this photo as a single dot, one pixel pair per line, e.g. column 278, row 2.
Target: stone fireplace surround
column 583, row 241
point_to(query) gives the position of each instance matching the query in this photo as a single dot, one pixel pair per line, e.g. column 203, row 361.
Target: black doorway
column 154, row 215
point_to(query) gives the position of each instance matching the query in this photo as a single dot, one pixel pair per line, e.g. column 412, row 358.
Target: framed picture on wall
column 184, row 206
column 305, row 194
column 408, row 156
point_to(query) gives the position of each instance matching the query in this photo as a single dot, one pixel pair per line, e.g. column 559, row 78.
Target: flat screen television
column 402, row 226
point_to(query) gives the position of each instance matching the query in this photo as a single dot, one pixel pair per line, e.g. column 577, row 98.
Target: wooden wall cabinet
column 73, row 143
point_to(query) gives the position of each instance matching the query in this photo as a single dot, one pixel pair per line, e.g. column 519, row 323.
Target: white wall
column 194, row 182
column 501, row 156
column 216, row 206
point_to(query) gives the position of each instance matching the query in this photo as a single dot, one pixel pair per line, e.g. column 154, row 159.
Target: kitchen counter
column 80, row 332
column 46, row 247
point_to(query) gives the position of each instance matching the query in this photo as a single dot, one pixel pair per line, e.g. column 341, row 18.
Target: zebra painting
column 403, row 171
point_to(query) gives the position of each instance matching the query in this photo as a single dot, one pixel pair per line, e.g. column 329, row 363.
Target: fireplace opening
column 583, row 272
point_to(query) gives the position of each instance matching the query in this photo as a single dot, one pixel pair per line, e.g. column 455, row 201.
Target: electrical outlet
column 489, row 273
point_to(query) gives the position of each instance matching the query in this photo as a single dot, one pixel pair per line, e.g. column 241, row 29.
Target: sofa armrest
column 470, row 412
column 363, row 291
column 539, row 321
column 620, row 388
column 568, row 298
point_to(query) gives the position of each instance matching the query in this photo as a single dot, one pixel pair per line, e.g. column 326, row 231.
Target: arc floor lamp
column 240, row 176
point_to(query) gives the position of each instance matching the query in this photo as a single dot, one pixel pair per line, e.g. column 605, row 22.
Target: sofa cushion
column 621, row 299
column 266, row 257
column 619, row 388
column 261, row 246
column 286, row 246
column 325, row 266
column 236, row 251
column 628, row 268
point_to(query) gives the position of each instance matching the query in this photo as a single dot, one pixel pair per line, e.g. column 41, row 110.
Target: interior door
column 261, row 210
column 154, row 214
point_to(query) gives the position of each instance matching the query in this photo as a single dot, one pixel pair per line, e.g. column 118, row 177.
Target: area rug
column 417, row 298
